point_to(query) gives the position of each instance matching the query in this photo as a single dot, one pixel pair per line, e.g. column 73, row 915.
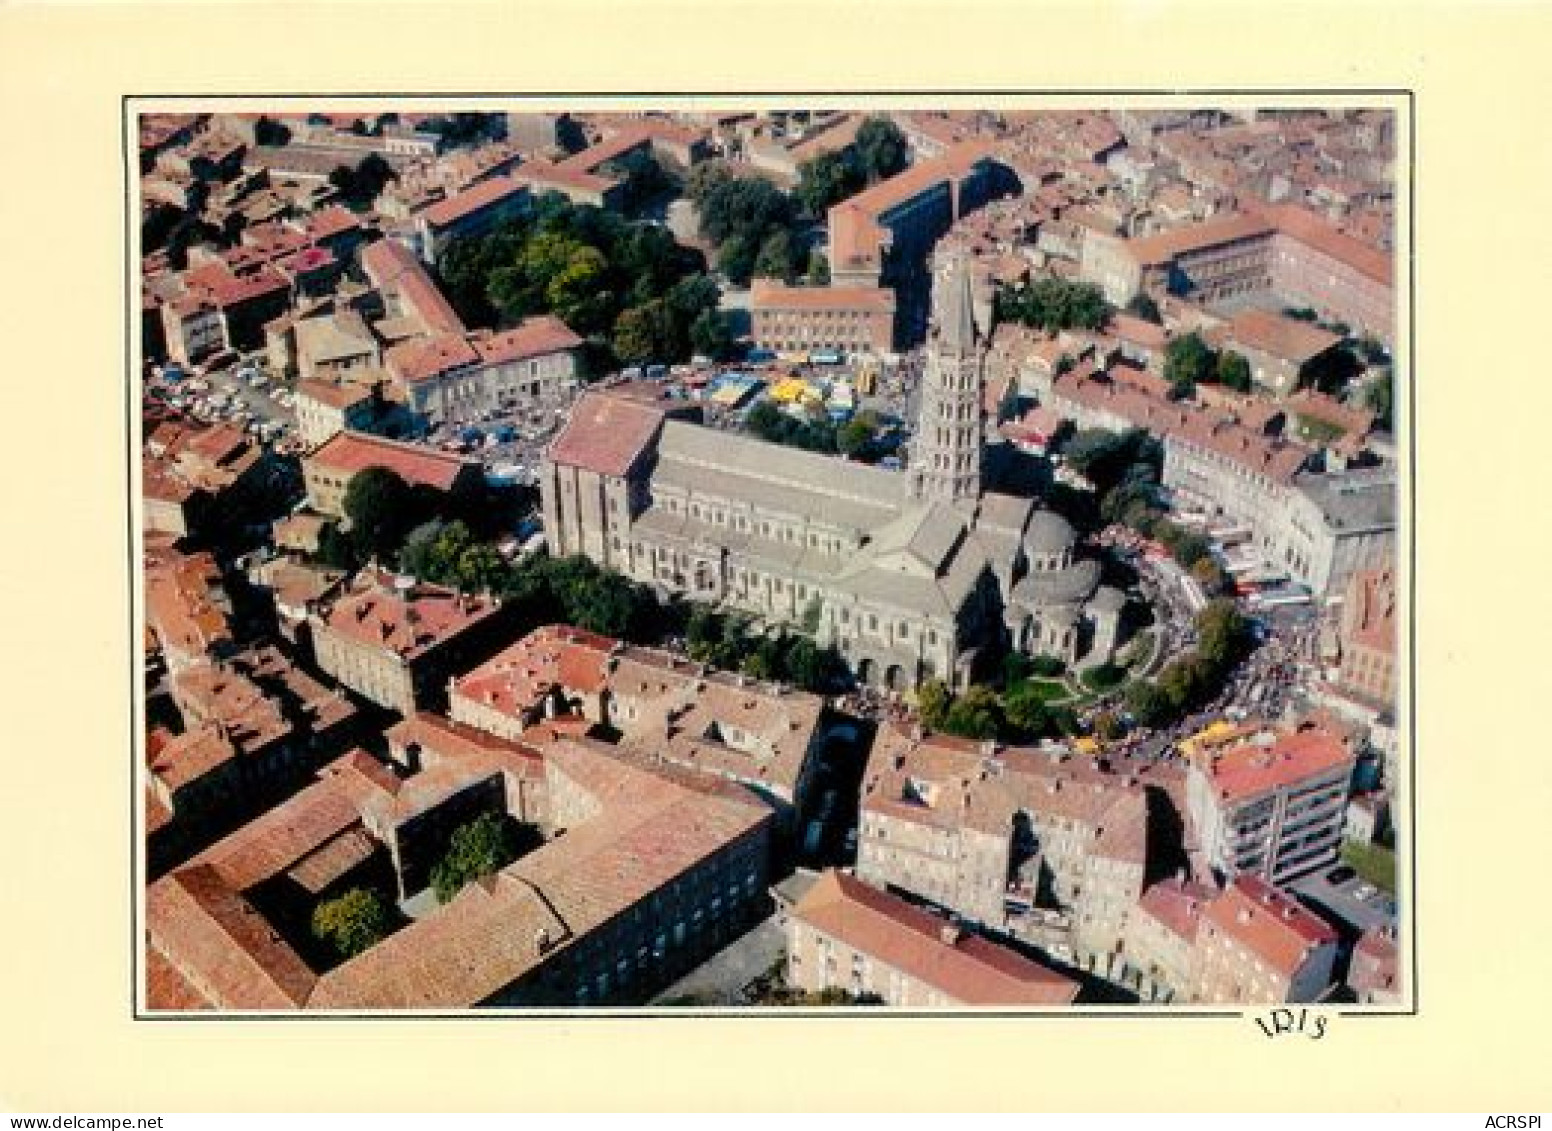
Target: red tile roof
column 770, row 295
column 406, row 622
column 425, row 359
column 210, row 928
column 543, row 175
column 555, row 656
column 1309, row 229
column 351, row 452
column 1177, row 905
column 486, row 194
column 1165, row 246
column 329, row 222
column 1285, row 338
column 1252, row 769
column 606, row 434
column 393, row 267
column 967, row 969
column 535, row 337
column 1273, row 926
column 331, row 394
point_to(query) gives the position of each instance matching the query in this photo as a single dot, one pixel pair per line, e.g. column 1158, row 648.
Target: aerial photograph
column 731, row 559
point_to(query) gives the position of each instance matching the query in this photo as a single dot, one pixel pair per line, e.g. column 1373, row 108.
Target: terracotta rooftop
column 535, row 337
column 1252, row 769
column 486, row 194
column 424, row 359
column 949, row 783
column 646, row 829
column 393, row 267
column 332, row 394
column 407, row 622
column 553, row 657
column 1165, row 246
column 1285, row 338
column 185, row 606
column 1309, row 229
column 1273, row 926
column 544, row 175
column 969, row 970
column 1177, row 905
column 350, row 452
column 606, row 434
column 770, row 295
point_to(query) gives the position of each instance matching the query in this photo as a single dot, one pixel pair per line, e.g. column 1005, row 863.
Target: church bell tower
column 946, row 450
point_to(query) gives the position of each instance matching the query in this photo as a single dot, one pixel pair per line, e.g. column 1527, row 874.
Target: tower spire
column 955, row 307
column 946, row 450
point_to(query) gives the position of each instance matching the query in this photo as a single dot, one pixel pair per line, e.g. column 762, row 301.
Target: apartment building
column 847, row 935
column 849, row 320
column 396, row 641
column 1273, row 806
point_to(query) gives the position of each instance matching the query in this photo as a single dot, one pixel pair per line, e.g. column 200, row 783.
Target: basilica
column 909, row 574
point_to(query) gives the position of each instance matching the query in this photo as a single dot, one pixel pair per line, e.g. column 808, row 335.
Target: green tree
column 746, row 206
column 777, row 258
column 1210, row 575
column 1147, row 703
column 378, row 503
column 1378, row 395
column 1183, row 681
column 1223, row 635
column 736, row 258
column 1048, row 667
column 975, row 714
column 1233, row 371
column 575, row 287
column 1024, row 708
column 1053, row 304
column 827, row 180
column 644, row 333
column 818, row 269
column 1107, row 726
column 881, row 148
column 1142, row 306
column 480, row 569
column 703, row 634
column 1188, row 362
column 415, row 556
column 856, row 436
column 932, row 703
column 337, row 550
column 811, row 667
column 483, row 846
column 813, row 613
column 711, row 335
column 352, row 922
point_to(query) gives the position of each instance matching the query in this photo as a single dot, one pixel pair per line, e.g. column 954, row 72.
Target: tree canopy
column 378, row 503
column 483, row 846
column 1378, row 395
column 1142, row 306
column 749, row 219
column 1188, row 362
column 881, row 148
column 828, row 179
column 360, row 185
column 352, row 922
column 616, row 282
column 1053, row 304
